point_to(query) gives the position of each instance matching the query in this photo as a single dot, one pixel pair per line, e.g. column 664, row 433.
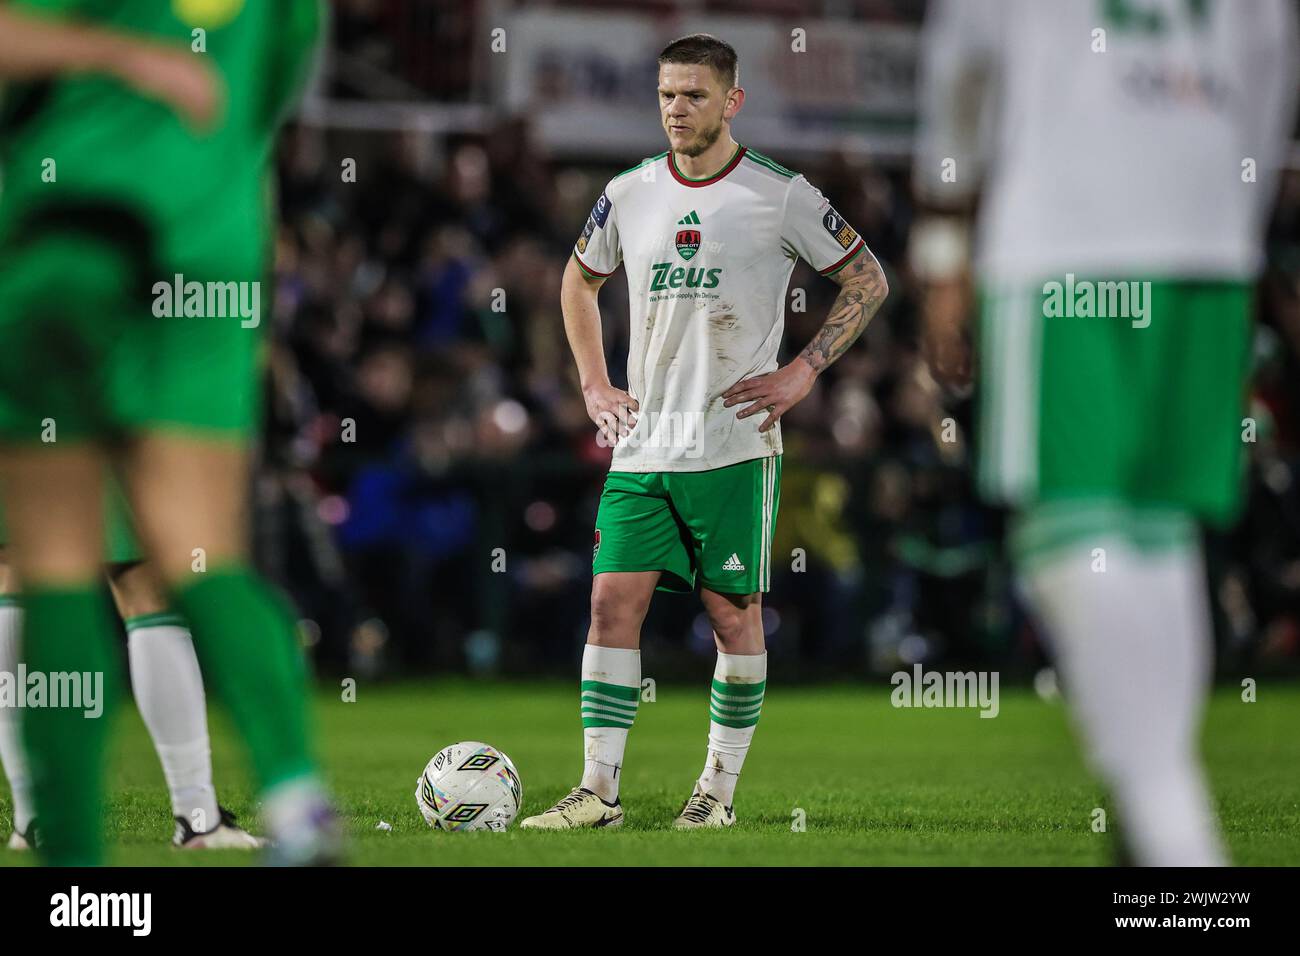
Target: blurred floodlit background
column 421, row 302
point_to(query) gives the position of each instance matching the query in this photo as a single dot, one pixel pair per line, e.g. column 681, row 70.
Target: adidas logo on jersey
column 692, row 218
column 733, row 563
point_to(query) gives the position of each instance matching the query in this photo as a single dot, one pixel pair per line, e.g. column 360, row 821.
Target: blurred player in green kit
column 165, row 681
column 135, row 139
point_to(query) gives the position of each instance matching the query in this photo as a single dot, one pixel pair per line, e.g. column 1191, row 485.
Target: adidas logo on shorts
column 733, row 563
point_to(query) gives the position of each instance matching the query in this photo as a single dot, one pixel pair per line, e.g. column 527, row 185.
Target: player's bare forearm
column 862, row 289
column 611, row 409
column 939, row 254
column 38, row 46
column 578, row 302
column 945, row 309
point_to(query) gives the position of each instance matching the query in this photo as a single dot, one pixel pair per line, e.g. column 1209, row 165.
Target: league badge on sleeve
column 586, row 234
column 600, row 211
column 838, row 228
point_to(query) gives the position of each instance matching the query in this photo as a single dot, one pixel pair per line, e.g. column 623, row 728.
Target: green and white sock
column 251, row 660
column 168, row 691
column 13, row 759
column 611, row 688
column 739, row 682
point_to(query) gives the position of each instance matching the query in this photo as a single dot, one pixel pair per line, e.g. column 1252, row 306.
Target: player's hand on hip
column 775, row 393
column 180, row 79
column 612, row 409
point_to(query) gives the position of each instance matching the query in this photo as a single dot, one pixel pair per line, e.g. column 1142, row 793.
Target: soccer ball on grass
column 469, row 786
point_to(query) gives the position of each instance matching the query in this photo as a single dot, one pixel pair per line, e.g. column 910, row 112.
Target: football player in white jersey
column 708, row 232
column 1126, row 151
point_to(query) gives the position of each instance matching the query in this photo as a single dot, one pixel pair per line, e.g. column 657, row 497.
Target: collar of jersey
column 695, row 183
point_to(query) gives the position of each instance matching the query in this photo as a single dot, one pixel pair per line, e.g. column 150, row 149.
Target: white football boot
column 704, row 811
column 226, row 835
column 19, row 840
column 581, row 809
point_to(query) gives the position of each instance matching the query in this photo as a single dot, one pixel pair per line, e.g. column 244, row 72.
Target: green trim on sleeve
column 771, row 164
column 831, row 270
column 589, row 273
column 645, row 162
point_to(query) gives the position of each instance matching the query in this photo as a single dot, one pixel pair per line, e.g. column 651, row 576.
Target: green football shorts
column 121, row 546
column 82, row 352
column 1144, row 409
column 120, row 543
column 716, row 523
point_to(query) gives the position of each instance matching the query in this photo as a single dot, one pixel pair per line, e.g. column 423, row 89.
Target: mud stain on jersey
column 723, row 321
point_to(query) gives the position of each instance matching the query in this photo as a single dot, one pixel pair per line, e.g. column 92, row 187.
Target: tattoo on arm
column 862, row 289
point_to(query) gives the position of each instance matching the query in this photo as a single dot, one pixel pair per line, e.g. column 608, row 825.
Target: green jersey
column 90, row 141
column 111, row 201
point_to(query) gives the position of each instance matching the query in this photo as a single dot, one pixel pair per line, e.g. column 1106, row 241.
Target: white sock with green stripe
column 1133, row 646
column 12, row 755
column 168, row 690
column 739, row 682
column 611, row 687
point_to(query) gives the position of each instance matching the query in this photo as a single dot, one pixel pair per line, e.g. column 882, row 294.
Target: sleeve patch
column 600, row 211
column 586, row 232
column 840, row 230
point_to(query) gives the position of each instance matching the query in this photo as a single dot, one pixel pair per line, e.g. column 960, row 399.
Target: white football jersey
column 708, row 262
column 1109, row 136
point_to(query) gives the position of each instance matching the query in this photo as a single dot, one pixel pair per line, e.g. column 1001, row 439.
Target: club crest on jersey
column 838, row 228
column 595, row 547
column 688, row 242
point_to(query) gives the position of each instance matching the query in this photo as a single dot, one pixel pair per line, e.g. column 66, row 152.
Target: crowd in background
column 429, row 479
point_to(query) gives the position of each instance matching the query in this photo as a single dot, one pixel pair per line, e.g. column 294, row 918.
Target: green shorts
column 1143, row 409
column 84, row 354
column 718, row 523
column 121, row 546
column 120, row 543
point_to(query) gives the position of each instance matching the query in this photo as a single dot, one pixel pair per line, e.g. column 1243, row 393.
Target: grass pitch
column 876, row 785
